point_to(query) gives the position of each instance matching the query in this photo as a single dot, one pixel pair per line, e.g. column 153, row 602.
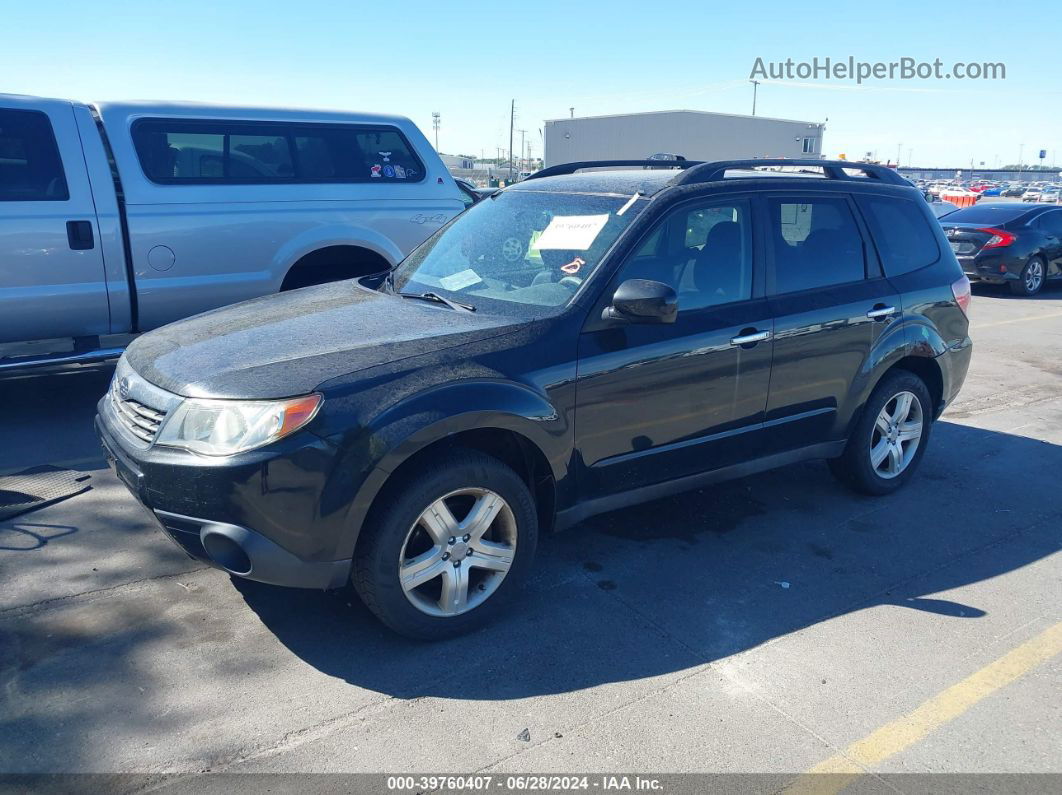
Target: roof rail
column 571, row 168
column 832, row 169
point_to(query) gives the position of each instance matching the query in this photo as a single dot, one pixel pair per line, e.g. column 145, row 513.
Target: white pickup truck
column 118, row 218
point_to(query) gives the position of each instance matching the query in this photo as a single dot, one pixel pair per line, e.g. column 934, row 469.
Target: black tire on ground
column 854, row 467
column 381, row 546
column 1022, row 286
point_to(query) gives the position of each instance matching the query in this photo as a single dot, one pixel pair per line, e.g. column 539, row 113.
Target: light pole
column 755, row 85
column 435, row 117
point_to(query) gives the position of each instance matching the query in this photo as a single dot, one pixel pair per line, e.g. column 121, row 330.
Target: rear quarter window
column 902, row 233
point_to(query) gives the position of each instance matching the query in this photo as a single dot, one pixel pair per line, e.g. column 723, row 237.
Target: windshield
column 525, row 248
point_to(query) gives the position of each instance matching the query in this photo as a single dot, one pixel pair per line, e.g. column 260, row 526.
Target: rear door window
column 902, row 233
column 30, row 166
column 816, row 243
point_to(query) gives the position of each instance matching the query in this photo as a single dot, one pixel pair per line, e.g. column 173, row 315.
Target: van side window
column 223, row 152
column 902, row 233
column 30, row 166
column 816, row 243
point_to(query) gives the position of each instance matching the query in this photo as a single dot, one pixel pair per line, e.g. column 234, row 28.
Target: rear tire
column 1032, row 279
column 426, row 567
column 890, row 437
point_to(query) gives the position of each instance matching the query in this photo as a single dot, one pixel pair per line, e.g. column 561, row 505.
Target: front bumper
column 274, row 491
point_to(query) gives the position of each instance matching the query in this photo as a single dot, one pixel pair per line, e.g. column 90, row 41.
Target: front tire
column 453, row 541
column 1032, row 278
column 890, row 437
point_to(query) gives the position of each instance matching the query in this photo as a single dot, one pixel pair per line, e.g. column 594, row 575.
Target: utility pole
column 571, row 113
column 899, row 154
column 512, row 122
column 435, row 116
column 523, row 149
column 1021, row 154
column 755, row 85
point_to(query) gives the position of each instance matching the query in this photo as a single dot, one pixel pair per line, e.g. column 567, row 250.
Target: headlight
column 226, row 427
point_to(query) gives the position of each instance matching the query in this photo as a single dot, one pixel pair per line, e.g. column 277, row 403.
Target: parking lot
column 774, row 624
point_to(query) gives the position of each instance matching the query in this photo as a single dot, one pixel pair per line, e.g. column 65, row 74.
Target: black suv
column 595, row 336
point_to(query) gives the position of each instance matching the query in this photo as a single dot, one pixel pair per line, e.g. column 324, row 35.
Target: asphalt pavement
column 775, row 624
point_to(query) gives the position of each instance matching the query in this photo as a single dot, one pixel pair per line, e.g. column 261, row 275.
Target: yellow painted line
column 1048, row 316
column 840, row 770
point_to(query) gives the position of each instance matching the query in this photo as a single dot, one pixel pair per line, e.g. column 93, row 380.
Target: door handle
column 880, row 312
column 79, row 235
column 750, row 337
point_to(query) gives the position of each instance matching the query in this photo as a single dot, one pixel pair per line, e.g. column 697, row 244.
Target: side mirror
column 642, row 301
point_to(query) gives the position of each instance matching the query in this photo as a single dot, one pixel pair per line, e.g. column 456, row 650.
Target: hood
column 287, row 344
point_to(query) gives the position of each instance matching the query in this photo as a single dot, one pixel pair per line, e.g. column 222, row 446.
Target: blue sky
column 467, row 60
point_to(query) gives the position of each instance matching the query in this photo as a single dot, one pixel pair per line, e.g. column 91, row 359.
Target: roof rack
column 697, row 171
column 571, row 168
column 832, row 169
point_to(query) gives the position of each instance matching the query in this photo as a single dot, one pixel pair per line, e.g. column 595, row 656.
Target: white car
column 1031, row 195
column 1049, row 196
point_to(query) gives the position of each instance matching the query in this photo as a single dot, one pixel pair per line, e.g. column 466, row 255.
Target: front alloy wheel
column 449, row 566
column 452, row 538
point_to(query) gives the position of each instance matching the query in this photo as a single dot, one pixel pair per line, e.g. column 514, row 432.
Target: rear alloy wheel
column 887, row 443
column 455, row 538
column 1031, row 280
column 896, row 434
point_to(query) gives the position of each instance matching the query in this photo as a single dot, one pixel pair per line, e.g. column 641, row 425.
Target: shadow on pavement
column 675, row 583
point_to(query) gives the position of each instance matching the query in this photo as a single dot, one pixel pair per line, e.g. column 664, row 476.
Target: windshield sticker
column 573, row 266
column 389, row 171
column 374, row 171
column 573, row 232
column 460, row 280
column 400, row 172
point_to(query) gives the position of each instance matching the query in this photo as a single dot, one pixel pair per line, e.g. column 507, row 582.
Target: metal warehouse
column 694, row 134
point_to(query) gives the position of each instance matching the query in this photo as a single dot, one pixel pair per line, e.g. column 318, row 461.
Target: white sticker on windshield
column 574, row 232
column 460, row 280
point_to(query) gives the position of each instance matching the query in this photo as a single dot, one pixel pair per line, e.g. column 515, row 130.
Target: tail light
column 1000, row 238
column 961, row 290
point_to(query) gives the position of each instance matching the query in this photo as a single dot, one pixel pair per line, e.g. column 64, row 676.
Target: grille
column 140, row 420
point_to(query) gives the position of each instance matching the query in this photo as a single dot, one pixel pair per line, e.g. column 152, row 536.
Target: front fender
column 369, row 457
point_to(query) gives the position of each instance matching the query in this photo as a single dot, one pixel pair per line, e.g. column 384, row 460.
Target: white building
column 458, row 162
column 694, row 134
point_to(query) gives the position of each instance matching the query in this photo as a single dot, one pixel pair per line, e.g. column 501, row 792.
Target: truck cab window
column 30, row 167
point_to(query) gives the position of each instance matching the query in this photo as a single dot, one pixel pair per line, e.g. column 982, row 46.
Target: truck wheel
column 890, row 437
column 449, row 547
column 1032, row 278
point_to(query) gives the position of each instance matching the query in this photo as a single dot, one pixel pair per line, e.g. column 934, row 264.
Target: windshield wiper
column 438, row 299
